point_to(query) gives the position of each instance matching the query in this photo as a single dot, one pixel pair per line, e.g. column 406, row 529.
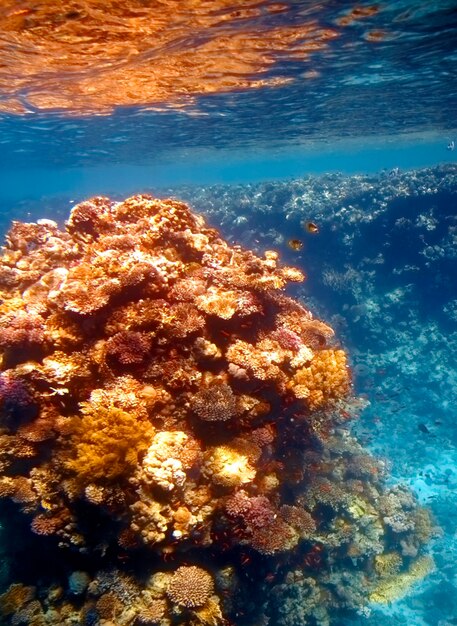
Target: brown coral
column 108, row 605
column 128, row 347
column 190, row 586
column 15, row 597
column 299, row 519
column 214, row 404
column 91, row 218
column 21, row 335
column 277, row 536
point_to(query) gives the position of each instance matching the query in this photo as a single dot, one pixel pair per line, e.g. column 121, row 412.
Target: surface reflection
column 89, row 57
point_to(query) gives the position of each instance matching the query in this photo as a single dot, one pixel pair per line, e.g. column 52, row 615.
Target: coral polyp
column 171, row 430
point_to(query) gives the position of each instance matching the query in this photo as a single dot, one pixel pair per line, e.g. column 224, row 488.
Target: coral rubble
column 173, row 432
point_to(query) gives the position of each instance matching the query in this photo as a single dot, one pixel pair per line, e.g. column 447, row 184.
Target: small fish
column 451, row 145
column 424, row 429
column 295, row 244
column 312, row 228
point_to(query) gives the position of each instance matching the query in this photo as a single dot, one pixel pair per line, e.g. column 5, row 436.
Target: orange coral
column 46, row 524
column 325, row 380
column 107, row 443
column 15, row 597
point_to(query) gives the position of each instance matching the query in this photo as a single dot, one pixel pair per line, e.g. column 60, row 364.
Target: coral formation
column 190, row 586
column 176, row 423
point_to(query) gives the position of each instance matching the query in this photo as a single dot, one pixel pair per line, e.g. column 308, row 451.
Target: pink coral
column 260, row 513
column 21, row 330
column 254, row 512
column 277, row 536
column 238, row 504
column 91, row 218
column 263, row 436
column 128, row 347
column 14, row 393
column 287, row 339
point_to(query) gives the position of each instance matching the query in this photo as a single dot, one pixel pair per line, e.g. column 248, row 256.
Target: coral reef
column 173, row 430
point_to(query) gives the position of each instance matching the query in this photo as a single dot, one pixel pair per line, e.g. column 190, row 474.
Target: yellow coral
column 208, row 615
column 397, row 586
column 326, row 379
column 107, row 442
column 423, row 524
column 387, row 564
column 166, row 460
column 227, row 467
column 223, row 303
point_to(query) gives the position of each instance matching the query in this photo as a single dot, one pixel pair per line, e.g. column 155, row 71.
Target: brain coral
column 164, row 404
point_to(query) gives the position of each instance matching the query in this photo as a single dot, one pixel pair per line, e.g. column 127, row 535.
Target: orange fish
column 295, row 244
column 312, row 228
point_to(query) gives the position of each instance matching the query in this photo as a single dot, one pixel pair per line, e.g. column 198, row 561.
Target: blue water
column 366, row 152
column 205, row 167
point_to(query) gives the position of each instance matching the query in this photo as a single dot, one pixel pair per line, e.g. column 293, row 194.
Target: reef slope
column 174, row 435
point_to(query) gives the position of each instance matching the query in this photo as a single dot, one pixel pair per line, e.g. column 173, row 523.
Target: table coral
column 166, row 410
column 397, row 585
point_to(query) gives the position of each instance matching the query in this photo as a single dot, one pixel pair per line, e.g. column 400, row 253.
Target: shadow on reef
column 174, row 440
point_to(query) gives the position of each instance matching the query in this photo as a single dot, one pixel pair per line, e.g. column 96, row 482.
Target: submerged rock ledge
column 174, row 439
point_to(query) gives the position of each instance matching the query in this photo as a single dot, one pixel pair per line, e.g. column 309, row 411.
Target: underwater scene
column 228, row 313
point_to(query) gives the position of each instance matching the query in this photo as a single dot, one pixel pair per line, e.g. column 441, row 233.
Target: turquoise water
column 198, row 166
column 365, row 151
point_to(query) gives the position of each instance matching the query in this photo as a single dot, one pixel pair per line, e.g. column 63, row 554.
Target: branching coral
column 277, row 536
column 190, row 586
column 128, row 347
column 15, row 598
column 215, row 403
column 164, row 404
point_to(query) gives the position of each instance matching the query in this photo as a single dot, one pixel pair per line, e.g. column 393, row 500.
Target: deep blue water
column 363, row 153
